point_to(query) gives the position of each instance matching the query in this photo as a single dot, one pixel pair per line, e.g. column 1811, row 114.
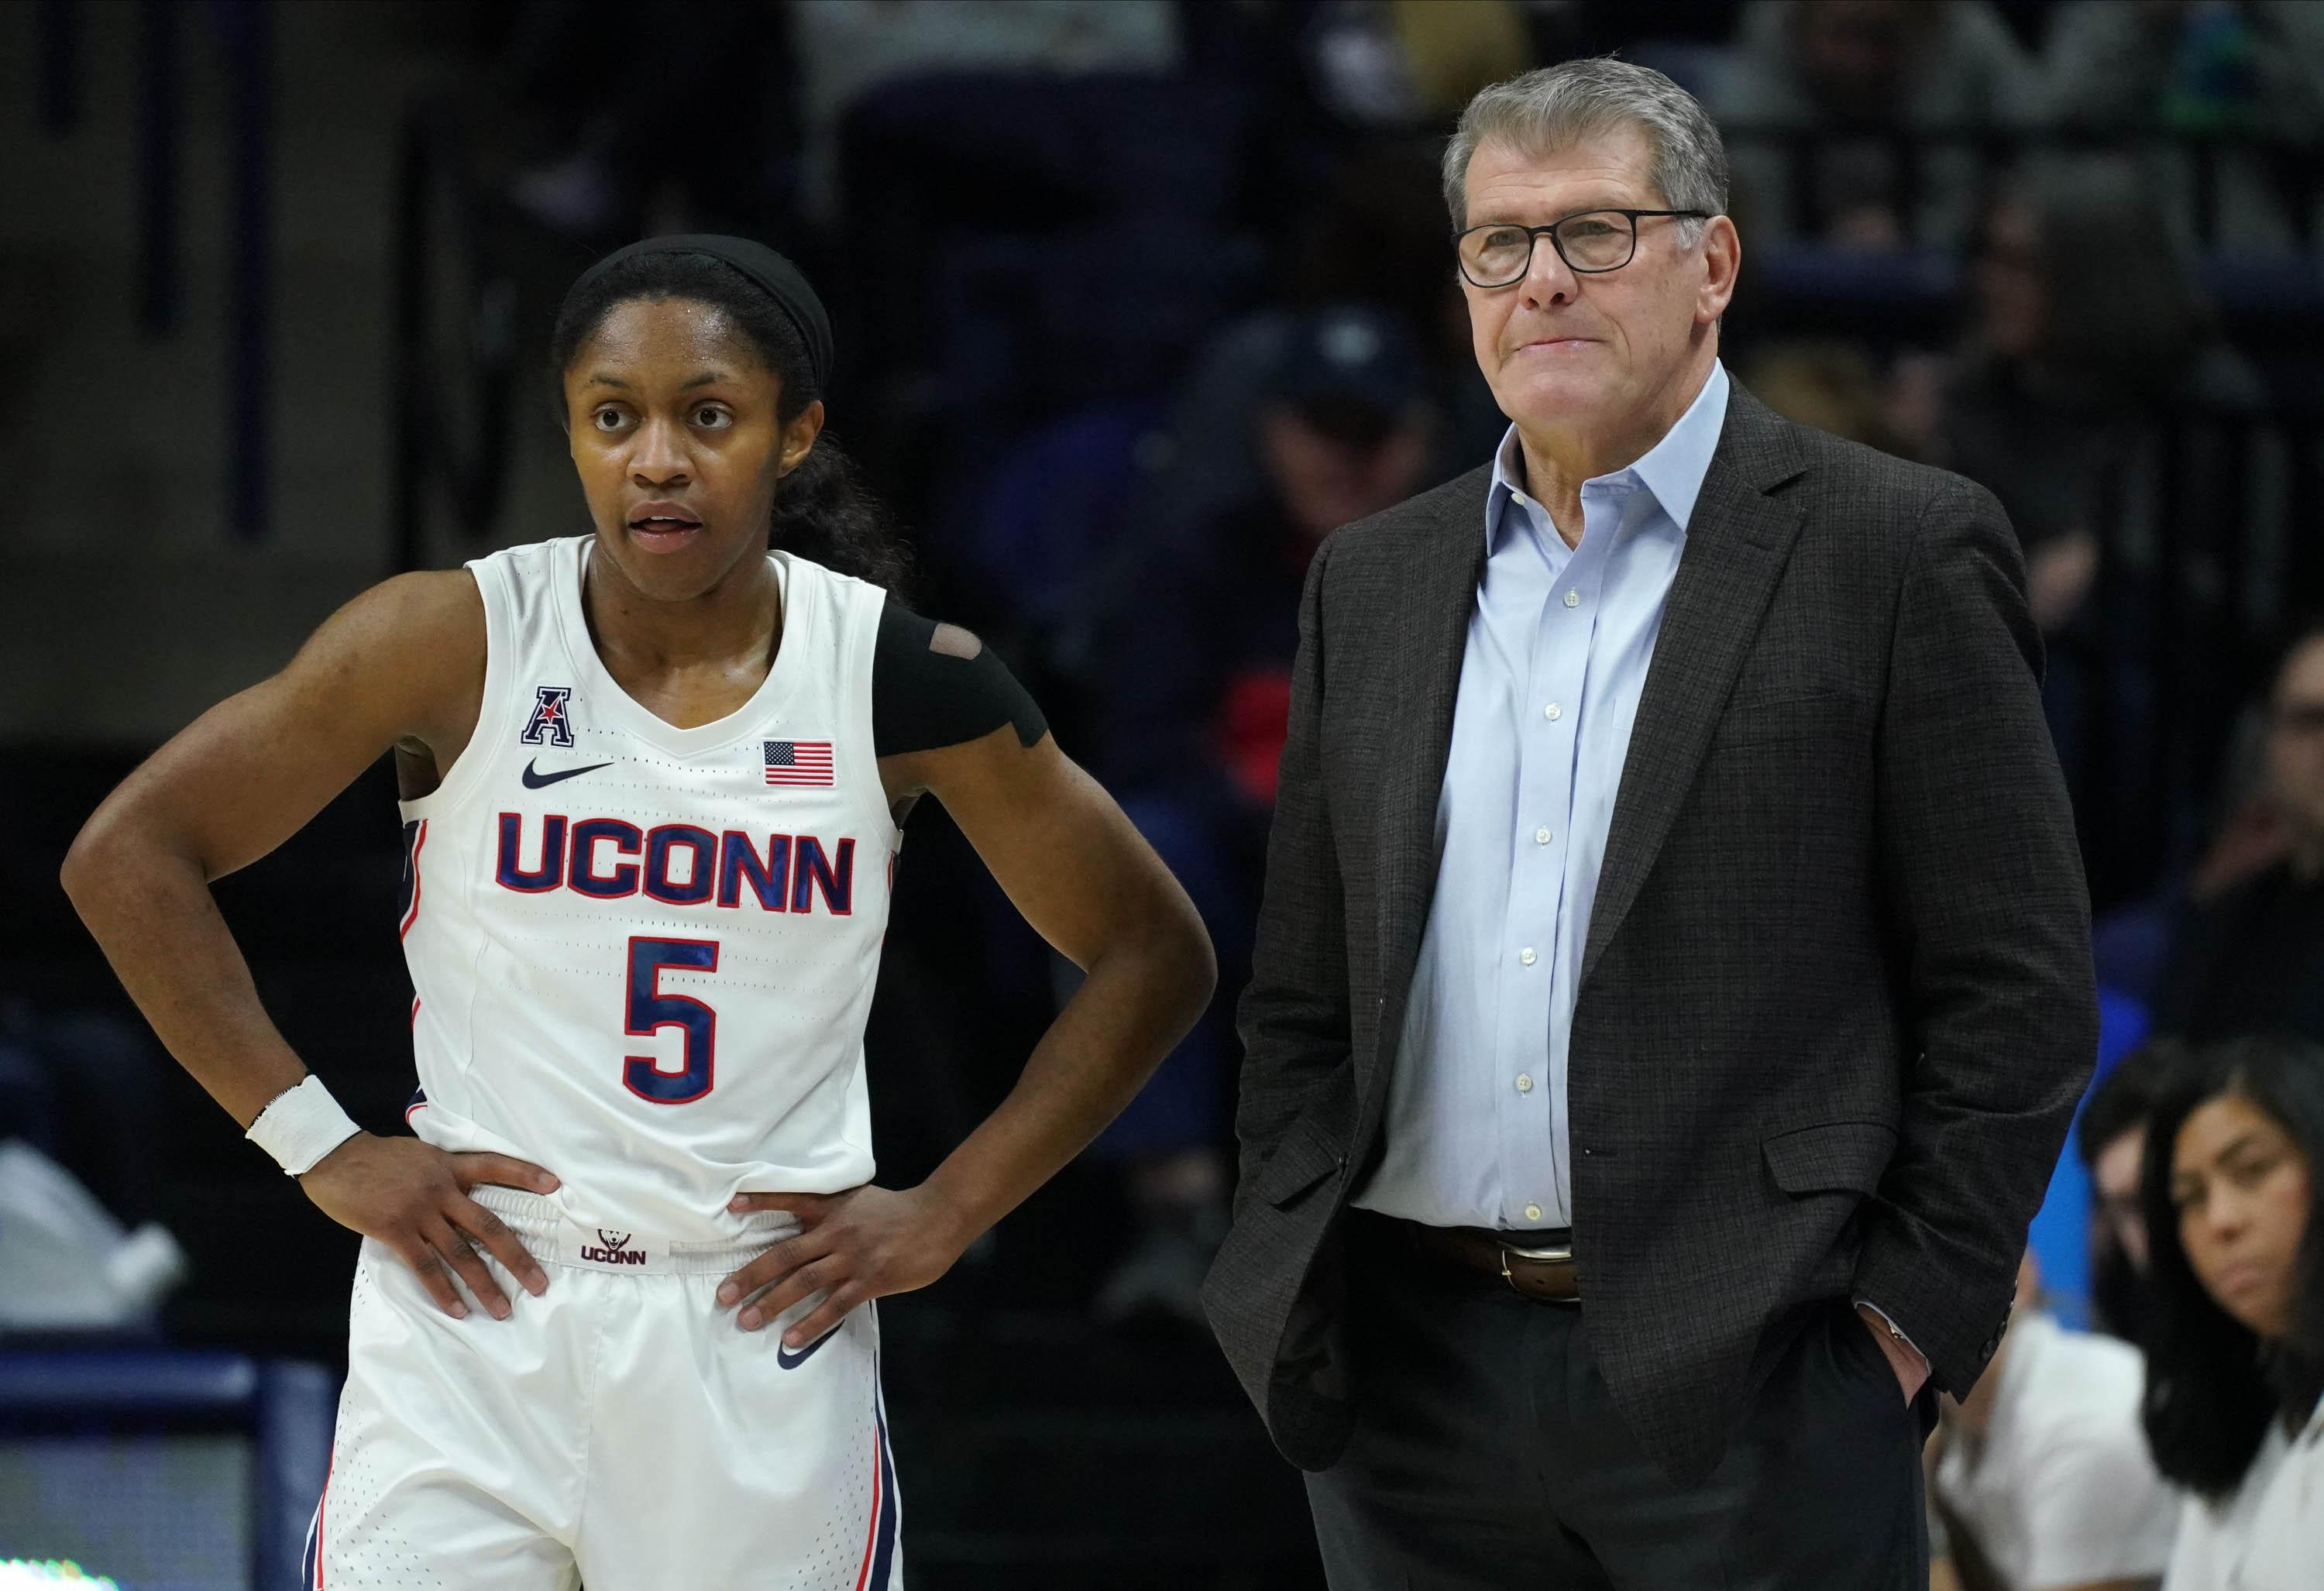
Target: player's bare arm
column 1086, row 881
column 402, row 665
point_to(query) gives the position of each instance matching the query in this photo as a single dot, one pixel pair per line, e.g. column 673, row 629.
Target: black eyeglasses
column 1590, row 242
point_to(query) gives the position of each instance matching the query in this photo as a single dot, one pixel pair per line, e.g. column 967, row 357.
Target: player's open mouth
column 662, row 524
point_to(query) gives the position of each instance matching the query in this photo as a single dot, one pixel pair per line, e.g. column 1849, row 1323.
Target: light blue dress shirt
column 1556, row 661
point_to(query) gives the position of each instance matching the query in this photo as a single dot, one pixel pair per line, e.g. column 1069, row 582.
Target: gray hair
column 1561, row 106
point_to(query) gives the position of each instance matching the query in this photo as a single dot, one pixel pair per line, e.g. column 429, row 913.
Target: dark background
column 275, row 283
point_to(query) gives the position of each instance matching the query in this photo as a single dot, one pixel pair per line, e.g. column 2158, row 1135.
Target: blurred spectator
column 1454, row 48
column 1343, row 427
column 2234, row 1177
column 2251, row 959
column 2072, row 352
column 1837, row 387
column 2111, row 1137
column 1402, row 63
column 1192, row 698
column 1372, row 232
column 2041, row 1475
column 2132, row 944
column 2097, row 400
column 1323, row 76
column 1857, row 72
column 2197, row 68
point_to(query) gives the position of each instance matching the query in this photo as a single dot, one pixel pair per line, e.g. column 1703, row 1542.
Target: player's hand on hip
column 865, row 1243
column 413, row 1197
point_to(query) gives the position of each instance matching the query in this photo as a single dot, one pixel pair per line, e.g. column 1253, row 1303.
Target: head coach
column 1673, row 982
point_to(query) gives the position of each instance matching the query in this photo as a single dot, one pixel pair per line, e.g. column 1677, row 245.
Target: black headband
column 776, row 276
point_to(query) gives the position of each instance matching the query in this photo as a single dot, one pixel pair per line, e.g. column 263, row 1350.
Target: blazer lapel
column 1424, row 682
column 1737, row 544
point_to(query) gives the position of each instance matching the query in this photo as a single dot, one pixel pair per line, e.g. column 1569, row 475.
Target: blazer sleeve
column 1293, row 1018
column 1992, row 922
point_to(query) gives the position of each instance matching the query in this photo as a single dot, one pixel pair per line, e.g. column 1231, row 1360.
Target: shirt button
column 1573, row 599
column 1553, row 711
column 1524, row 1082
column 1541, row 836
column 1533, row 1212
column 1526, row 956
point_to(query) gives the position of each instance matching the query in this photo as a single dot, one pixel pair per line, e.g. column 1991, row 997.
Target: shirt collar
column 1672, row 469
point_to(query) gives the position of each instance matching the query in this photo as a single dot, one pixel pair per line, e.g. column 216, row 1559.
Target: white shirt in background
column 2061, row 1490
column 2269, row 1534
column 2208, row 1554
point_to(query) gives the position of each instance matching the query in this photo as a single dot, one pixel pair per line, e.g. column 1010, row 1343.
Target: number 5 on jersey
column 650, row 1011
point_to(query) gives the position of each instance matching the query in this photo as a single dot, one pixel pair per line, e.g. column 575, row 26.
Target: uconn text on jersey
column 676, row 864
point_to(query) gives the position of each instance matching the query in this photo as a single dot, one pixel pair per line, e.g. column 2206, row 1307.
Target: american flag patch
column 798, row 763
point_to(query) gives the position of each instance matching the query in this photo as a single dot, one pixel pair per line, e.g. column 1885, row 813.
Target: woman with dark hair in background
column 2099, row 403
column 2235, row 1371
column 2089, row 323
column 653, row 778
column 2248, row 953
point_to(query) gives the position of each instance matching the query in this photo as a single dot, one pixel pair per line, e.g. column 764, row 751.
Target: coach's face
column 1599, row 352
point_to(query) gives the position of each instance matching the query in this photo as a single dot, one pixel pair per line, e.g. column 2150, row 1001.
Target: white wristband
column 299, row 1125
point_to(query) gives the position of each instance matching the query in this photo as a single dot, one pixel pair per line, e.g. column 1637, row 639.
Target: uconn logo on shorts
column 612, row 1248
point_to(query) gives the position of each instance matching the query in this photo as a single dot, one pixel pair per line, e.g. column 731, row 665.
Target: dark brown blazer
column 1836, row 1005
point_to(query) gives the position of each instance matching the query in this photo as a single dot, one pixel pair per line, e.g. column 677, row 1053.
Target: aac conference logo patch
column 551, row 723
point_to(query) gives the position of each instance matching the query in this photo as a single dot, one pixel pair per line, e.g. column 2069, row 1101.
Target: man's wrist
column 1911, row 1365
column 1880, row 1320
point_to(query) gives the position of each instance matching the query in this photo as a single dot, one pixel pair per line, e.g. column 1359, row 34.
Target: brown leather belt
column 1540, row 1266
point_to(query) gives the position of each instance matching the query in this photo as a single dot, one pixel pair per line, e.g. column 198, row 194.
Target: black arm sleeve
column 936, row 685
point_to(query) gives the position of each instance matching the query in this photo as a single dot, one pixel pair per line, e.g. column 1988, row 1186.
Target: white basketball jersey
column 642, row 956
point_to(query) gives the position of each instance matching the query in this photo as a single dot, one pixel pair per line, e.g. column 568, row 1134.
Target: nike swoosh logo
column 535, row 781
column 792, row 1361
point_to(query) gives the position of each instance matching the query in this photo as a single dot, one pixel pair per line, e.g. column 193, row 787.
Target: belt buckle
column 1557, row 1254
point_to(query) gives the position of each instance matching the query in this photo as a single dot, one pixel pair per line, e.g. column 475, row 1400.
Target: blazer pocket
column 1307, row 1153
column 1833, row 1156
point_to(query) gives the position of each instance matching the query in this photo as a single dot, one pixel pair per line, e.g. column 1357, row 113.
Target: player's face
column 670, row 418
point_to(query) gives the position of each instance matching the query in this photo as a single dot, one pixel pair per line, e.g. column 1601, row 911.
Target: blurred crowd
column 1138, row 300
column 1142, row 299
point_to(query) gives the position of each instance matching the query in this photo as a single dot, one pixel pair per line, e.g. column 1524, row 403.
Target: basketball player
column 609, row 1317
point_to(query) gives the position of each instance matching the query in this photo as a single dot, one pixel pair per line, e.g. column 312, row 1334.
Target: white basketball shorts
column 619, row 1429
